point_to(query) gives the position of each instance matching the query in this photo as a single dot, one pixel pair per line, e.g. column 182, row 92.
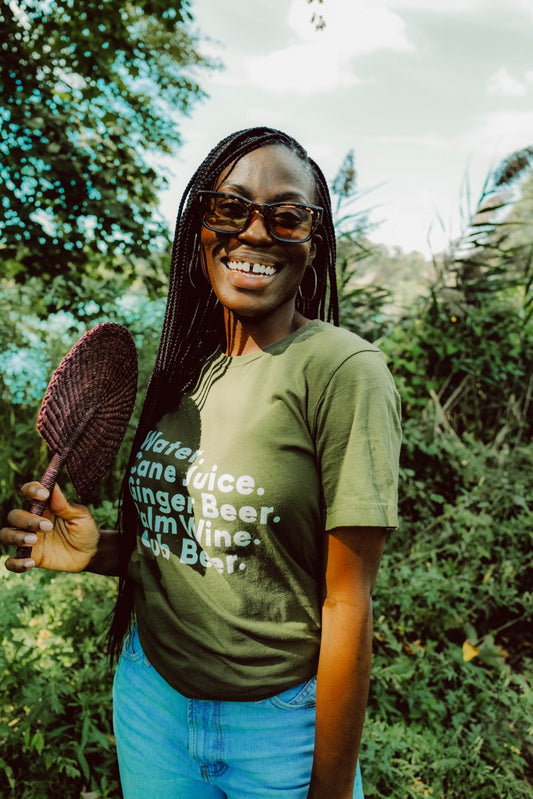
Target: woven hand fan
column 86, row 409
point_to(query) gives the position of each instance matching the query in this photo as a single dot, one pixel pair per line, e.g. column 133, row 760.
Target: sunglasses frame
column 315, row 210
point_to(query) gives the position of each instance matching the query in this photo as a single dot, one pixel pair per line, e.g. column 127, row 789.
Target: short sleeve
column 358, row 438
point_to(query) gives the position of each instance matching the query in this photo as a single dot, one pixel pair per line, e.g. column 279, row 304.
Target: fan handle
column 48, row 480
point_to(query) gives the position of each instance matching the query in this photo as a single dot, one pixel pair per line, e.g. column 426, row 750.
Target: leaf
column 12, row 465
column 81, row 153
column 37, row 742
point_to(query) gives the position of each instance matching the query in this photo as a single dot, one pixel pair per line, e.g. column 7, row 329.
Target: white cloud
column 526, row 6
column 458, row 7
column 510, row 129
column 418, row 166
column 321, row 60
column 427, row 141
column 301, row 69
column 354, row 27
column 497, row 136
column 438, row 6
column 503, row 84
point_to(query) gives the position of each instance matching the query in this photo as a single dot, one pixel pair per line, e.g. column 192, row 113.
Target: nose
column 257, row 230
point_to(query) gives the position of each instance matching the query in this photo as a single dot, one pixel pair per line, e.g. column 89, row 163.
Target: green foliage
column 452, row 695
column 362, row 305
column 55, row 706
column 86, row 93
column 469, row 347
column 362, row 301
column 452, row 700
column 485, row 290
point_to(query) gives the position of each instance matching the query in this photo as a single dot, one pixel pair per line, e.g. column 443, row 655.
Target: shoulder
column 330, row 348
column 325, row 335
column 347, row 369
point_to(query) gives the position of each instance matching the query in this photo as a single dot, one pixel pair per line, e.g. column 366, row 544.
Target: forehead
column 273, row 169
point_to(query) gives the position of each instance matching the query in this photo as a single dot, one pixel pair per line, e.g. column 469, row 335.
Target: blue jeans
column 171, row 747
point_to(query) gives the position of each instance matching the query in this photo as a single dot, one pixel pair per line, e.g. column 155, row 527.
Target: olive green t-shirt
column 235, row 490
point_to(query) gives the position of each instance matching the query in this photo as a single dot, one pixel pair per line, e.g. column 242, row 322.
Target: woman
column 255, row 507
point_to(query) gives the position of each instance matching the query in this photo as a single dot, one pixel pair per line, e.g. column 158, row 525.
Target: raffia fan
column 86, row 409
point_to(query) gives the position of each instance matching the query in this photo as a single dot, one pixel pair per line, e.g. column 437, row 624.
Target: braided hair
column 193, row 326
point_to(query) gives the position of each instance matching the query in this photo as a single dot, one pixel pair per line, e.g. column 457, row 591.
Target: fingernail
column 29, row 564
column 30, row 539
column 46, row 525
column 41, row 493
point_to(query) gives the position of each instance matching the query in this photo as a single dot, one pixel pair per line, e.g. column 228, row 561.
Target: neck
column 244, row 335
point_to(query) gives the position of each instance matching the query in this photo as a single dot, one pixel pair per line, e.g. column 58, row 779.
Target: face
column 252, row 274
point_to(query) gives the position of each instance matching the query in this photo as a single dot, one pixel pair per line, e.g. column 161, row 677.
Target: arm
column 65, row 538
column 107, row 557
column 353, row 555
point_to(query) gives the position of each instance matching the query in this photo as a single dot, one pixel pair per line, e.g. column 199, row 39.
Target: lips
column 251, row 268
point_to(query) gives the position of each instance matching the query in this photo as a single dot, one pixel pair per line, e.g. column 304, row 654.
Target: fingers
column 23, row 520
column 57, row 505
column 64, row 526
column 21, row 535
column 34, row 491
column 18, row 538
column 23, row 527
column 19, row 566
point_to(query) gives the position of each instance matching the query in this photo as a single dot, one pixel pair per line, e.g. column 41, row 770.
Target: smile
column 249, row 268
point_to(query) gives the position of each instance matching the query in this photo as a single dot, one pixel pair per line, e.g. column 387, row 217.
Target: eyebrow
column 282, row 196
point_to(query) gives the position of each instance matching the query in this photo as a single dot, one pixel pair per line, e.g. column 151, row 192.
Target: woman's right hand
column 64, row 538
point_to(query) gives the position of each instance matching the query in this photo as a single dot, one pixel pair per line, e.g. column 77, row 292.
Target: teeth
column 256, row 269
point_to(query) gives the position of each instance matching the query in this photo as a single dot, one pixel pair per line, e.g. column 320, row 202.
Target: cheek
column 207, row 242
column 209, row 249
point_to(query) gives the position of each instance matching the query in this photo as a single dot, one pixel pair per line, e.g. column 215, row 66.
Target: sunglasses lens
column 290, row 222
column 224, row 213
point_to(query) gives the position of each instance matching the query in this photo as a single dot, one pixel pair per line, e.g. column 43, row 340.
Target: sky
column 429, row 94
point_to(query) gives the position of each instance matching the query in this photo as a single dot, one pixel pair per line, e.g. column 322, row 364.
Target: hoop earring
column 191, row 281
column 203, row 265
column 313, row 295
column 203, row 269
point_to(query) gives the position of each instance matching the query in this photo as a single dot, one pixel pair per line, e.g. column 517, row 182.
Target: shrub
column 451, row 699
column 55, row 704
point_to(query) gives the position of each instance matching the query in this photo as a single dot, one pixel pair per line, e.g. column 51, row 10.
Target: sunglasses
column 285, row 221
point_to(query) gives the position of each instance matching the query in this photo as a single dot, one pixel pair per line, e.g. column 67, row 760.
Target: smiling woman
column 255, row 268
column 259, row 488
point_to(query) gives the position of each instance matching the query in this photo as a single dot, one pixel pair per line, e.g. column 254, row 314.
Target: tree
column 317, row 19
column 498, row 241
column 88, row 91
column 470, row 346
column 361, row 302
